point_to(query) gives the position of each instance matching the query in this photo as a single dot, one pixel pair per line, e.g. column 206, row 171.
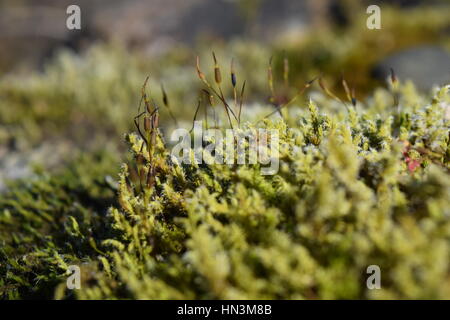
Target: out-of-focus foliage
column 355, row 50
column 72, row 96
column 356, row 187
column 89, row 98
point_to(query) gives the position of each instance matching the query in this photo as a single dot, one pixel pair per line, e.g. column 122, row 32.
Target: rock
column 426, row 66
column 31, row 32
column 19, row 164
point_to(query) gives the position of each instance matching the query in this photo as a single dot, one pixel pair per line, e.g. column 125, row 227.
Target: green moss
column 357, row 186
column 52, row 220
column 346, row 197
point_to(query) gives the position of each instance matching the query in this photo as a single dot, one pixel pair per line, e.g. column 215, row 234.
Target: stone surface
column 18, row 164
column 31, row 31
column 426, row 66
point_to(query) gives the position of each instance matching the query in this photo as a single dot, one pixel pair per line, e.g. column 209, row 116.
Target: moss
column 346, row 197
column 357, row 185
column 52, row 220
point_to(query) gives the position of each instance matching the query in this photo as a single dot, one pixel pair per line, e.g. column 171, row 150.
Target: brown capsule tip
column 233, row 74
column 217, row 75
column 147, row 124
column 155, row 120
column 393, row 76
column 164, row 94
column 199, row 72
column 233, row 80
column 147, row 106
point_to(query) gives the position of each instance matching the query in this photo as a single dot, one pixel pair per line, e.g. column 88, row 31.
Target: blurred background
column 65, row 92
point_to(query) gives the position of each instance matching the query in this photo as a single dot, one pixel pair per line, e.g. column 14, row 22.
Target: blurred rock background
column 31, row 31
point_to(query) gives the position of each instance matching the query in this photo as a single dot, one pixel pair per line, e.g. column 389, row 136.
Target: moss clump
column 52, row 219
column 355, row 188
